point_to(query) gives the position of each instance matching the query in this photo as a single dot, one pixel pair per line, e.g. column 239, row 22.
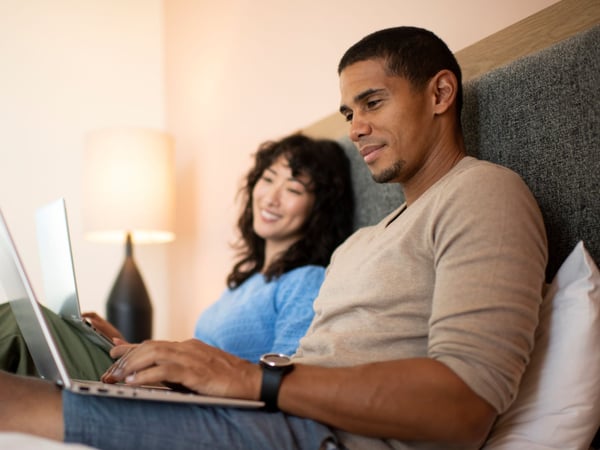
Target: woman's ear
column 445, row 88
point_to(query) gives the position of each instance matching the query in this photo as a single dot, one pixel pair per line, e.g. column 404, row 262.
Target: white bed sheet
column 21, row 441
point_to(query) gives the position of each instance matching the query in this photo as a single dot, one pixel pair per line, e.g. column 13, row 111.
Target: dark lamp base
column 129, row 308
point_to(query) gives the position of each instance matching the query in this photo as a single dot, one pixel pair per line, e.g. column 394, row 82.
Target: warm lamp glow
column 129, row 185
column 129, row 197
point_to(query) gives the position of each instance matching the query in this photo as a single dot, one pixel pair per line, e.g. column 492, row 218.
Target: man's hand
column 192, row 363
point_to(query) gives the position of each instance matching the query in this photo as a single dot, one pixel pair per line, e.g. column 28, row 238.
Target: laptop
column 16, row 288
column 58, row 271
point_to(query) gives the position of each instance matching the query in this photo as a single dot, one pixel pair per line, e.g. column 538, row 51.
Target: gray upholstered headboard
column 539, row 116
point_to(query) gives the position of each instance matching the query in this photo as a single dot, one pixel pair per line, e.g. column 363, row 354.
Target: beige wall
column 221, row 76
column 69, row 66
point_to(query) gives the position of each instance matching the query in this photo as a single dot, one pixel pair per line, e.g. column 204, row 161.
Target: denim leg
column 107, row 423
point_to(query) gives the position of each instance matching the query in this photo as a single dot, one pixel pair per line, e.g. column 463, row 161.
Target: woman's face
column 281, row 204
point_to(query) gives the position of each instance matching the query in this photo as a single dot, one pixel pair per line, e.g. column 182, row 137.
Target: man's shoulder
column 474, row 183
column 475, row 170
column 473, row 163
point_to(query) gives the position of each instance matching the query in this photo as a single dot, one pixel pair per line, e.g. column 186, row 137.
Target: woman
column 297, row 208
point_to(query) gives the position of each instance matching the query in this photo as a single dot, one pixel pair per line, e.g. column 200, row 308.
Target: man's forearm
column 417, row 399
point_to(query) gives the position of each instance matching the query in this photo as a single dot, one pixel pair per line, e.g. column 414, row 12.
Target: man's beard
column 389, row 174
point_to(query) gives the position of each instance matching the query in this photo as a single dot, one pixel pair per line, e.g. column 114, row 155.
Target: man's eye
column 373, row 104
column 348, row 117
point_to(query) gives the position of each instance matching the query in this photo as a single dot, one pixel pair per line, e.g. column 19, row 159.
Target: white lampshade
column 129, row 185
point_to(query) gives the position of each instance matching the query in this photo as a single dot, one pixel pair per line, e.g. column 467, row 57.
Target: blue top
column 262, row 317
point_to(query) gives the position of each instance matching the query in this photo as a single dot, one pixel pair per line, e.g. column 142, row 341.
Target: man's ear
column 445, row 87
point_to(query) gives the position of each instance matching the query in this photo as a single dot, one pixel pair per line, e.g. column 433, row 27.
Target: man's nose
column 359, row 127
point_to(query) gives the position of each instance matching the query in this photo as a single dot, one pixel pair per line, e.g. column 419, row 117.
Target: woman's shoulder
column 309, row 277
column 309, row 271
column 301, row 282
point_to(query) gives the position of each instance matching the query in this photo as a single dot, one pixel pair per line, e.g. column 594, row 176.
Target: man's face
column 390, row 122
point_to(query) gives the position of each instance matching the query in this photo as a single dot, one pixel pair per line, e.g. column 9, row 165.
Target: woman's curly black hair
column 328, row 224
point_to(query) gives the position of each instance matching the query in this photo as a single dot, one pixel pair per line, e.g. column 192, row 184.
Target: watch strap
column 269, row 390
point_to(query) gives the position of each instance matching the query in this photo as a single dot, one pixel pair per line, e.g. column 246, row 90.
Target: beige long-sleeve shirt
column 457, row 276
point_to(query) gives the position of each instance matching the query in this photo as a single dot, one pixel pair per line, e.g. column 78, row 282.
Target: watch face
column 276, row 360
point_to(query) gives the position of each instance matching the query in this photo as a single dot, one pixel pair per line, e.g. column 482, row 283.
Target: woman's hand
column 104, row 327
column 192, row 364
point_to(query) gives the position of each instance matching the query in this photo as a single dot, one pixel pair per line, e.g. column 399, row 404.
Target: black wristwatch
column 274, row 367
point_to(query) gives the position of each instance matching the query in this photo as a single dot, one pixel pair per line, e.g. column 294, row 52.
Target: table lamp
column 129, row 197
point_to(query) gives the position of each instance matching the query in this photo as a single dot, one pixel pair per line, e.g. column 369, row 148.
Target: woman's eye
column 266, row 178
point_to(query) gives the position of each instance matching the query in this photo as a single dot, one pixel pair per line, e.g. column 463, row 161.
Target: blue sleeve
column 295, row 295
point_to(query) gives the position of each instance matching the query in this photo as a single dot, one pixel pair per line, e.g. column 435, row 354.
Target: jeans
column 107, row 423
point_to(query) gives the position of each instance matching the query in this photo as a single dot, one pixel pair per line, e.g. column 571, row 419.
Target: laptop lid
column 16, row 288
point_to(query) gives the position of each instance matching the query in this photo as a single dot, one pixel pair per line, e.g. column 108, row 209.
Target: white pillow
column 558, row 404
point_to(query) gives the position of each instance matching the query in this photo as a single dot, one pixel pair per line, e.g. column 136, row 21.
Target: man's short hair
column 409, row 52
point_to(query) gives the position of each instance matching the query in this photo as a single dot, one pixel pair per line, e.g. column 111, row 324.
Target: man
column 424, row 323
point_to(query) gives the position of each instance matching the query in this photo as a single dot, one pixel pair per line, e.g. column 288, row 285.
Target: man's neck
column 441, row 161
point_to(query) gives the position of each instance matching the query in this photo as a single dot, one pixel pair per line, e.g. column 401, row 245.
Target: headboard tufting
column 539, row 116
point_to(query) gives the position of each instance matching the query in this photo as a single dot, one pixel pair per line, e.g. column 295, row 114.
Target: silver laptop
column 58, row 271
column 15, row 287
